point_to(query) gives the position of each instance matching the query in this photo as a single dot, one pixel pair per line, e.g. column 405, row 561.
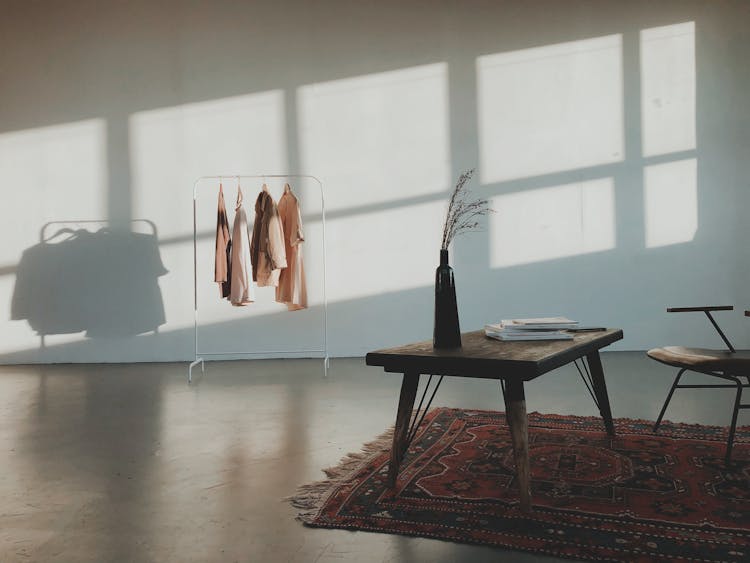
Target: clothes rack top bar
column 254, row 176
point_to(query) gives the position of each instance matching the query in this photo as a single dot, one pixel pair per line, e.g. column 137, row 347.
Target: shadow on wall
column 103, row 283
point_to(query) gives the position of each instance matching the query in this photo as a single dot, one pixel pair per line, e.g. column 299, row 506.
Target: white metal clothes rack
column 200, row 356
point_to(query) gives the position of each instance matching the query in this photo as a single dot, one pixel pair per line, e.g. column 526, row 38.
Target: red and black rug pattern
column 633, row 497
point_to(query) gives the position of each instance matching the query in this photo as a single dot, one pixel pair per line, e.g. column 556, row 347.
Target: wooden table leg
column 600, row 390
column 403, row 416
column 505, row 401
column 515, row 402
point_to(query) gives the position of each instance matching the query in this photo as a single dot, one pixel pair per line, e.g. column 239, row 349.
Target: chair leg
column 733, row 426
column 669, row 398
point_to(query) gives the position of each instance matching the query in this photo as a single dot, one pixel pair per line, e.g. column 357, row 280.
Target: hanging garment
column 292, row 289
column 223, row 261
column 241, row 291
column 267, row 247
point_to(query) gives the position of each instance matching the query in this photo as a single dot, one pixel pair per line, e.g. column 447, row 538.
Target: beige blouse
column 241, row 292
column 267, row 247
column 292, row 289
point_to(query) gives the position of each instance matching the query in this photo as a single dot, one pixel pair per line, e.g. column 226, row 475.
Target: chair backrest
column 707, row 310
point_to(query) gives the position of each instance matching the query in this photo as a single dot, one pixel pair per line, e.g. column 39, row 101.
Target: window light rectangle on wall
column 551, row 108
column 671, row 202
column 377, row 138
column 554, row 222
column 668, row 88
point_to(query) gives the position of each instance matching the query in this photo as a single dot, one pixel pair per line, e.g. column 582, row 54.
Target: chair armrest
column 702, row 309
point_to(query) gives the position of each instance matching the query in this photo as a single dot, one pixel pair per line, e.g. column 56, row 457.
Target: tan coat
column 242, row 286
column 267, row 247
column 222, row 262
column 292, row 289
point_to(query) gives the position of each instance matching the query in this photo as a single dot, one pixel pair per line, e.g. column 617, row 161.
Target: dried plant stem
column 463, row 214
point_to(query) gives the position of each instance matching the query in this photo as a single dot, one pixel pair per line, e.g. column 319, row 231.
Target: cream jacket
column 267, row 248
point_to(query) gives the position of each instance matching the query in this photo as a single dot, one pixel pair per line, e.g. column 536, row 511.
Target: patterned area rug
column 635, row 497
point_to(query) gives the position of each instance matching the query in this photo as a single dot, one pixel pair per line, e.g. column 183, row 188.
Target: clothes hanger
column 239, row 192
column 64, row 230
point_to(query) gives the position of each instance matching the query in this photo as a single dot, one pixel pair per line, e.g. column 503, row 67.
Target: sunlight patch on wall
column 384, row 251
column 377, row 138
column 548, row 223
column 668, row 88
column 171, row 147
column 50, row 174
column 671, row 202
column 56, row 173
column 549, row 109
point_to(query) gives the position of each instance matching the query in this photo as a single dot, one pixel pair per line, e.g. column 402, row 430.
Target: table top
column 484, row 357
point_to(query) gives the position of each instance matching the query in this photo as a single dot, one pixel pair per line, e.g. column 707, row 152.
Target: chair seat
column 702, row 359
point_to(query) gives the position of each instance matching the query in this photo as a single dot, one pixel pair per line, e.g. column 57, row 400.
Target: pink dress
column 292, row 289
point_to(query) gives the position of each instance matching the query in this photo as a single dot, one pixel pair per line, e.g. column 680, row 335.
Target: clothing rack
column 201, row 356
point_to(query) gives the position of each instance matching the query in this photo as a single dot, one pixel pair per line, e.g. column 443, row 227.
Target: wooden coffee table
column 513, row 363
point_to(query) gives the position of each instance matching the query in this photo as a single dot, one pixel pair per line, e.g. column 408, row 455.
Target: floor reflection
column 89, row 442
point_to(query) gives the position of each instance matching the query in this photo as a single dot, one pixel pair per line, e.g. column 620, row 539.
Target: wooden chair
column 729, row 365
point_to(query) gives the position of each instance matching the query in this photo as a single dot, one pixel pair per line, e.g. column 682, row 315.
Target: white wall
column 611, row 137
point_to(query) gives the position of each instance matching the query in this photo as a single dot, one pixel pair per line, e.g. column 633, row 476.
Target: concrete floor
column 129, row 463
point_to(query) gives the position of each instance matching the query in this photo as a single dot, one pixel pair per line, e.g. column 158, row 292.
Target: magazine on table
column 542, row 328
column 545, row 335
column 546, row 323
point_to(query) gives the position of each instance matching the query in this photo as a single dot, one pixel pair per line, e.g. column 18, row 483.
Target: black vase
column 447, row 333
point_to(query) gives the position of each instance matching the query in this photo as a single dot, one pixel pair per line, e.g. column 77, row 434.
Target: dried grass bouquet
column 463, row 214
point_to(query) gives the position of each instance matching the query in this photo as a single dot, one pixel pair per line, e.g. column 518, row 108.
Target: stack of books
column 547, row 328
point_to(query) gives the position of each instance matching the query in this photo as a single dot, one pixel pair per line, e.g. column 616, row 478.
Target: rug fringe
column 312, row 497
